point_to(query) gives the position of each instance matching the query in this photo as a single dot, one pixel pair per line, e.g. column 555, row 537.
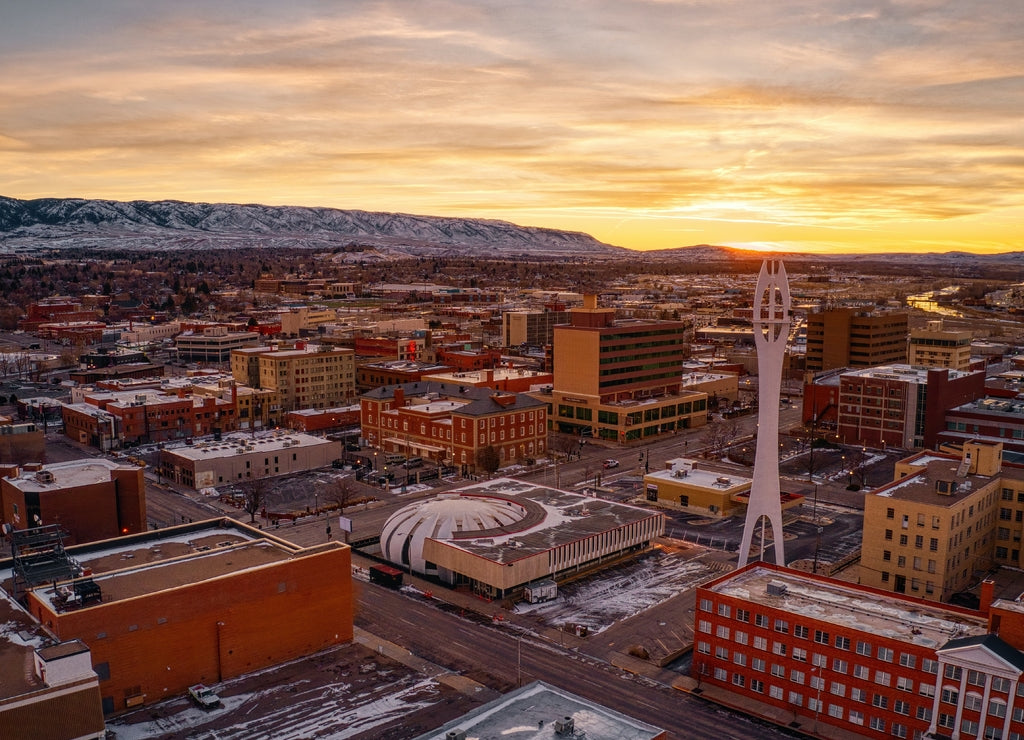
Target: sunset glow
column 822, row 125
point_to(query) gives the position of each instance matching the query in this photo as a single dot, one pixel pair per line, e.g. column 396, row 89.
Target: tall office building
column 620, row 380
column 850, row 337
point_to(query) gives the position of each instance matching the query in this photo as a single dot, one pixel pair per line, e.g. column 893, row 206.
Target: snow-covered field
column 600, row 600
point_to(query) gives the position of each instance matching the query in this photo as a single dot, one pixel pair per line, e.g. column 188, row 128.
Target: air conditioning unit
column 455, row 735
column 776, row 588
column 565, row 726
column 44, row 476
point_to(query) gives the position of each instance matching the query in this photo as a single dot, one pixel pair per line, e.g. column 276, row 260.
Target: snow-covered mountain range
column 174, row 225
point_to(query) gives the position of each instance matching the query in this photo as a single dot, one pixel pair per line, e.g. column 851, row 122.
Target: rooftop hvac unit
column 776, row 588
column 44, row 476
column 565, row 726
column 455, row 735
column 680, row 473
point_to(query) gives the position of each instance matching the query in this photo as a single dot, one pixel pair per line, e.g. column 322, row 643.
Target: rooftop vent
column 455, row 735
column 776, row 588
column 565, row 726
column 44, row 476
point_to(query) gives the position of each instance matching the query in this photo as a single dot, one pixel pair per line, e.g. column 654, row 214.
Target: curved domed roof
column 401, row 540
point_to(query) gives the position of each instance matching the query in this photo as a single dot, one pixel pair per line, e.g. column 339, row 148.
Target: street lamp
column 376, row 466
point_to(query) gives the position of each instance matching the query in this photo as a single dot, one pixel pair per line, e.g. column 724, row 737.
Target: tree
column 488, row 460
column 254, row 495
column 339, row 491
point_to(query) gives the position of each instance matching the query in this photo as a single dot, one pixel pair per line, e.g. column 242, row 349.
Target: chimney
column 988, row 588
column 399, row 398
column 490, row 376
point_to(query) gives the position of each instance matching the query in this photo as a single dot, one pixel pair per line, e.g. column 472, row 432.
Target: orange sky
column 783, row 125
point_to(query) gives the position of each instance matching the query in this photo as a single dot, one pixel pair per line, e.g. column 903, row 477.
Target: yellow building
column 934, row 346
column 305, row 319
column 930, row 531
column 620, row 380
column 682, row 485
column 306, row 376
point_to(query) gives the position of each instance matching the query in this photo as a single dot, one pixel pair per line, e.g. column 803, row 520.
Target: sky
column 793, row 125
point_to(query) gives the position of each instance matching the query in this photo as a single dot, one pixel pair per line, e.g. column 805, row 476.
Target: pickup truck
column 203, row 696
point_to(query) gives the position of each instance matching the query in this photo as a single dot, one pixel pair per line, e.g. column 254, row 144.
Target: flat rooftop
column 914, row 622
column 70, row 474
column 530, row 713
column 907, row 373
column 684, row 472
column 553, row 518
column 234, row 444
column 162, row 560
column 924, row 486
column 20, row 635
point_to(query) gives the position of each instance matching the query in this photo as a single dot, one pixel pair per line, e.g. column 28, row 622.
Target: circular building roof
column 444, row 517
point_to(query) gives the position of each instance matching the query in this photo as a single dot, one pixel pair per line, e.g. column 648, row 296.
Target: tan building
column 719, row 386
column 214, row 344
column 298, row 321
column 620, row 380
column 683, row 485
column 241, row 457
column 933, row 528
column 850, row 337
column 532, row 328
column 497, row 537
column 306, row 376
column 934, row 346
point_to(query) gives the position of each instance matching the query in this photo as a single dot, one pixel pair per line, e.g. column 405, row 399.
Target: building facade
column 850, row 337
column 933, row 346
column 303, row 376
column 532, row 328
column 213, row 344
column 451, row 423
column 620, row 380
column 901, row 406
column 198, row 603
column 91, row 499
column 242, row 457
column 860, row 660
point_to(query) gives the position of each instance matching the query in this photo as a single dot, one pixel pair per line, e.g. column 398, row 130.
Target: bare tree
column 254, row 495
column 340, row 491
column 717, row 436
column 488, row 459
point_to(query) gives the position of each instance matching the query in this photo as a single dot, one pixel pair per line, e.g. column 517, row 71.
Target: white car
column 609, row 463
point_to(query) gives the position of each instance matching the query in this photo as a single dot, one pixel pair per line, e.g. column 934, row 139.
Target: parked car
column 204, row 696
column 352, row 447
column 609, row 463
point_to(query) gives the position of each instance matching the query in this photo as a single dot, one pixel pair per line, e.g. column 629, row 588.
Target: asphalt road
column 499, row 658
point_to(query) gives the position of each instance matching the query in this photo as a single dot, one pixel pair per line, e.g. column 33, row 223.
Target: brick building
column 452, row 423
column 143, row 416
column 374, row 374
column 866, row 662
column 91, row 499
column 901, row 406
column 202, row 602
column 510, row 379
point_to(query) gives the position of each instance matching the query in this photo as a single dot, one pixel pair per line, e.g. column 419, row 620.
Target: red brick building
column 323, row 421
column 147, row 415
column 861, row 660
column 91, row 499
column 901, row 406
column 197, row 603
column 452, row 423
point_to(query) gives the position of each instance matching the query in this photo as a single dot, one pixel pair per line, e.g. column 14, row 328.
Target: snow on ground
column 331, row 712
column 600, row 600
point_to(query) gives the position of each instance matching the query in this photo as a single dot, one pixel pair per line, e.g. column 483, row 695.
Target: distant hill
column 50, row 223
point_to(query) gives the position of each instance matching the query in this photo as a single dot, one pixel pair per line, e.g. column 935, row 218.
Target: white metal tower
column 771, row 332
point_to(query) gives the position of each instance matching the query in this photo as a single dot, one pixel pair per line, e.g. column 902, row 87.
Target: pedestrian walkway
column 810, row 726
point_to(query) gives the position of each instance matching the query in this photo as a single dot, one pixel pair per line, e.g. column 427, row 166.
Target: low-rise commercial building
column 213, row 344
column 499, row 536
column 240, row 457
column 198, row 603
column 91, row 499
